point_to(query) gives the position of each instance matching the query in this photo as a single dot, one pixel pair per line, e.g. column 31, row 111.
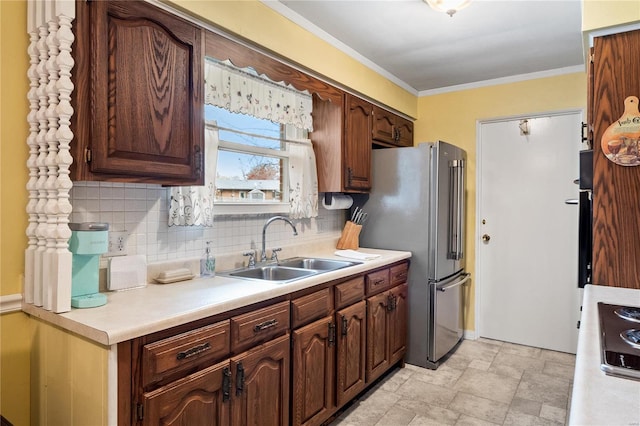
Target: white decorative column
column 48, row 261
column 29, row 255
column 65, row 12
column 51, row 161
column 39, row 273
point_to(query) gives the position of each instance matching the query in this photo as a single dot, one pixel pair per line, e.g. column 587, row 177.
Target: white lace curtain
column 193, row 205
column 243, row 91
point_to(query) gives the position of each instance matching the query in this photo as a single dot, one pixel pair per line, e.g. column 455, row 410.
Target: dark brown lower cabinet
column 250, row 389
column 313, row 372
column 386, row 330
column 260, row 392
column 398, row 324
column 351, row 345
column 198, row 399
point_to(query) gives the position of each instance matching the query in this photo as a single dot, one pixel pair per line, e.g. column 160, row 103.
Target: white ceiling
column 426, row 51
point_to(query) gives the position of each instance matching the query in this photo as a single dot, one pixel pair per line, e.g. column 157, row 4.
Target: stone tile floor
column 485, row 382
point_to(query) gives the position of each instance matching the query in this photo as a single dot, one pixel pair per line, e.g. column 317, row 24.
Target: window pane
column 245, row 123
column 248, row 178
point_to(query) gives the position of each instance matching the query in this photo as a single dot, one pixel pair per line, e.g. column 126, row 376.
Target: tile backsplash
column 140, row 210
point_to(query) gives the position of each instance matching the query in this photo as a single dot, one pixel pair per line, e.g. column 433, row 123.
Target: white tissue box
column 126, row 272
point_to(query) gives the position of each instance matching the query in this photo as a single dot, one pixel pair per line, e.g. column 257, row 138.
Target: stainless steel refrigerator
column 417, row 203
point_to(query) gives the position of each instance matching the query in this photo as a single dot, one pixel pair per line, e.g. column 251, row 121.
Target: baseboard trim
column 469, row 334
column 10, row 303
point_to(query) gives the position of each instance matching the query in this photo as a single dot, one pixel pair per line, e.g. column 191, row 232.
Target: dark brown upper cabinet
column 139, row 111
column 390, row 129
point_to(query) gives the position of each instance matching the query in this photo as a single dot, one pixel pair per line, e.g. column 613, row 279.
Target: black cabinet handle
column 197, row 159
column 345, row 325
column 239, row 379
column 226, row 384
column 264, row 325
column 332, row 334
column 193, row 351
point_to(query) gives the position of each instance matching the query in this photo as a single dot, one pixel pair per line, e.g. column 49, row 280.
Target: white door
column 528, row 236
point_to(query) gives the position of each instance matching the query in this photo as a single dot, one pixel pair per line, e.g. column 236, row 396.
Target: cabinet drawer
column 399, row 274
column 202, row 346
column 377, row 282
column 258, row 326
column 311, row 307
column 349, row 292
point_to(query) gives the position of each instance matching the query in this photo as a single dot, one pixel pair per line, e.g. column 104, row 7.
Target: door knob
column 486, row 237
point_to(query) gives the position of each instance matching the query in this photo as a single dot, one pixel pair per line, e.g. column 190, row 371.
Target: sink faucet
column 263, row 256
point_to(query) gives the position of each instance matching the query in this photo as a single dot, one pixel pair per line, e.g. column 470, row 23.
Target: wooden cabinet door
column 398, row 324
column 199, row 399
column 261, row 385
column 616, row 189
column 313, row 372
column 357, row 144
column 377, row 335
column 383, row 128
column 403, row 132
column 147, row 97
column 351, row 326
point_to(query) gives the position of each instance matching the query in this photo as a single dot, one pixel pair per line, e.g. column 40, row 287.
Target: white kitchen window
column 261, row 161
column 251, row 174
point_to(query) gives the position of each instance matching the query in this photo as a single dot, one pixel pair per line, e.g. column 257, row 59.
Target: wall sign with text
column 621, row 141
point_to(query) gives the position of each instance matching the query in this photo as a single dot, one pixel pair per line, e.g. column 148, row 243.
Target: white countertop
column 599, row 399
column 134, row 313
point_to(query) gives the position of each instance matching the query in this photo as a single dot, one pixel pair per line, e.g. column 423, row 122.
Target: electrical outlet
column 117, row 244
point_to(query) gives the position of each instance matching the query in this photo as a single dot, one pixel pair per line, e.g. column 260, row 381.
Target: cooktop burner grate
column 629, row 313
column 632, row 337
column 619, row 343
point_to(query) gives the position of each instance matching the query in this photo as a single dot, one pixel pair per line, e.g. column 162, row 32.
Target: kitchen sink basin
column 316, row 264
column 289, row 269
column 273, row 273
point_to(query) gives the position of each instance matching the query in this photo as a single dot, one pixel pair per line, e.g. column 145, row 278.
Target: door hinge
column 87, row 155
column 591, row 57
column 140, row 411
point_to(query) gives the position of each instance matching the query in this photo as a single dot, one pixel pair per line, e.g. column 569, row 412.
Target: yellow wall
column 15, row 328
column 453, row 117
column 68, row 378
column 598, row 14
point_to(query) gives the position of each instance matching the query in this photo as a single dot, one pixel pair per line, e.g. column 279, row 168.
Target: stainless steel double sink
column 289, row 270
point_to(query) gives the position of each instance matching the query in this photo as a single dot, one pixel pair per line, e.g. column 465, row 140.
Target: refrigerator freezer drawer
column 447, row 315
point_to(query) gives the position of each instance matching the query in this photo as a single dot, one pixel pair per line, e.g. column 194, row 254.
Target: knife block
column 350, row 237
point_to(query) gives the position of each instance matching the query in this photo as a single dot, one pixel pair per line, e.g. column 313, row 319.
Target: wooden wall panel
column 616, row 189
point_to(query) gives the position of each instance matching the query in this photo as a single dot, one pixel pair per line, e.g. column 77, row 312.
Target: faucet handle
column 252, row 258
column 274, row 254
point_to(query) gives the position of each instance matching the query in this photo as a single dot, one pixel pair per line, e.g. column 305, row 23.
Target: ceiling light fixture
column 448, row 6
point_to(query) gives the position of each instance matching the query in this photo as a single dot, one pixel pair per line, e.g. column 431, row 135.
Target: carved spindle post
column 62, row 295
column 51, row 162
column 32, row 118
column 40, row 274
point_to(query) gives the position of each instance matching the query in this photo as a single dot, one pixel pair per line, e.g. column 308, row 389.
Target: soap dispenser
column 208, row 263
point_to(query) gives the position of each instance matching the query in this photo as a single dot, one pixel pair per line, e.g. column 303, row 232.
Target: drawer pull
column 265, row 325
column 401, row 276
column 193, row 351
column 378, row 282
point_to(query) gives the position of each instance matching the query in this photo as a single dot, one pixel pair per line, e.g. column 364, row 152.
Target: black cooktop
column 620, row 340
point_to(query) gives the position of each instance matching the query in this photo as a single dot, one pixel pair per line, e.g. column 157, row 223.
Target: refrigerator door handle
column 456, row 209
column 464, row 278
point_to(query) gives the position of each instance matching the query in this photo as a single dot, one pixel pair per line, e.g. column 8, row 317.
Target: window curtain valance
column 244, row 91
